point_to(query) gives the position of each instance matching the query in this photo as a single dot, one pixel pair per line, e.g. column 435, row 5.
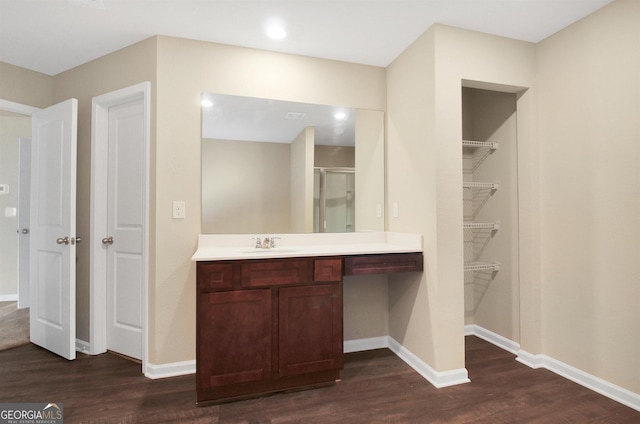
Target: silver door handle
column 25, row 231
column 78, row 240
column 63, row 240
column 107, row 240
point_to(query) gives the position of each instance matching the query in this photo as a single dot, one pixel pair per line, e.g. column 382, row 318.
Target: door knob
column 107, row 240
column 63, row 240
column 25, row 231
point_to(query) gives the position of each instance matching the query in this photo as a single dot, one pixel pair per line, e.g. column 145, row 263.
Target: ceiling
column 275, row 121
column 51, row 36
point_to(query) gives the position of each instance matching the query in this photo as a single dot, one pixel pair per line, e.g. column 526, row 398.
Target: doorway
column 15, row 132
column 490, row 206
column 334, row 200
column 120, row 221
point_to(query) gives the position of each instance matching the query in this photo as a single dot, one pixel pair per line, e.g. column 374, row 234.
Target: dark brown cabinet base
column 270, row 325
column 265, row 326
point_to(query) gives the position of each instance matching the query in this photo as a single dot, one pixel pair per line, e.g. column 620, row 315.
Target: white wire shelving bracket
column 481, row 266
column 487, row 144
column 481, row 225
column 478, row 185
column 480, row 150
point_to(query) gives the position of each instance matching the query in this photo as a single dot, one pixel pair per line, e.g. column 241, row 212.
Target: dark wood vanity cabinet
column 386, row 263
column 267, row 325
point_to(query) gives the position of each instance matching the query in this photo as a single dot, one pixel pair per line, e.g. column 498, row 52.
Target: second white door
column 125, row 232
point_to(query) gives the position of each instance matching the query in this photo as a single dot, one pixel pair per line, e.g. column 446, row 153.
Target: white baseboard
column 8, row 297
column 170, row 370
column 491, row 337
column 371, row 343
column 598, row 385
column 436, row 378
column 82, row 346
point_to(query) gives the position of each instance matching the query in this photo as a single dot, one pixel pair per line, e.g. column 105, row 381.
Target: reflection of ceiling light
column 276, row 32
column 340, row 115
column 338, row 130
column 207, row 103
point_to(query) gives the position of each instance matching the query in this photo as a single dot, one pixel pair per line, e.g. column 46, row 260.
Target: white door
column 24, row 153
column 52, row 251
column 124, row 239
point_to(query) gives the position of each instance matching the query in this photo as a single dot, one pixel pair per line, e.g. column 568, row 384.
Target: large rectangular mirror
column 272, row 166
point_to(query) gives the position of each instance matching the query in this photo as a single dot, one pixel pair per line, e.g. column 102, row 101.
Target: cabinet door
column 234, row 337
column 310, row 329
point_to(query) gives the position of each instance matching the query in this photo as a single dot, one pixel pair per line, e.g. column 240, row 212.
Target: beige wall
column 589, row 112
column 185, row 70
column 301, row 165
column 370, row 165
column 24, row 86
column 410, row 164
column 337, row 156
column 424, row 154
column 245, row 187
column 366, row 310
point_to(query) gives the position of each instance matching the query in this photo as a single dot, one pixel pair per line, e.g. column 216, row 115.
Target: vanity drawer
column 212, row 276
column 387, row 263
column 327, row 270
column 275, row 272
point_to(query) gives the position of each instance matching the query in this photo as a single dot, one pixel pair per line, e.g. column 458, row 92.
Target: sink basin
column 274, row 250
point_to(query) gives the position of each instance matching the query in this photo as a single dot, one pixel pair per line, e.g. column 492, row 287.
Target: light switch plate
column 179, row 211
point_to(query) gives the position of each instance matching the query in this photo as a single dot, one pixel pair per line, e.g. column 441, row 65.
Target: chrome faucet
column 267, row 243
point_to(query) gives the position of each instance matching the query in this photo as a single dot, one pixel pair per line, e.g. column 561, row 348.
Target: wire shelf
column 481, row 225
column 487, row 144
column 481, row 266
column 478, row 185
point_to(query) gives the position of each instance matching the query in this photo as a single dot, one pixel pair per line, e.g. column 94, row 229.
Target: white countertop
column 216, row 247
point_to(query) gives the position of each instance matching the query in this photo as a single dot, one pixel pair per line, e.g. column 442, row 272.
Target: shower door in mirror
column 334, row 200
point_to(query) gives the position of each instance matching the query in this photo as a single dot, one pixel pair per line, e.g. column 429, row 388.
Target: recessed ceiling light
column 276, row 32
column 207, row 103
column 340, row 115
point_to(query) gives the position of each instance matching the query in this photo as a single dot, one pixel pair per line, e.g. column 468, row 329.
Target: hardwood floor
column 376, row 387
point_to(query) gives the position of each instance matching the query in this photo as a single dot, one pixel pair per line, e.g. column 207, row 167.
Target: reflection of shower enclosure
column 333, row 200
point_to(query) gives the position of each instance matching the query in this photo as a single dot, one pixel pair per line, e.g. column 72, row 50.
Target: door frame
column 24, row 221
column 9, row 106
column 99, row 174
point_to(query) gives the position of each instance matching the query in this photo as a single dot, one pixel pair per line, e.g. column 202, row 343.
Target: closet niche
column 489, row 147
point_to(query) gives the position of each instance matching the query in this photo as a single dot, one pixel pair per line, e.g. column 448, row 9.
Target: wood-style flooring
column 376, row 387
